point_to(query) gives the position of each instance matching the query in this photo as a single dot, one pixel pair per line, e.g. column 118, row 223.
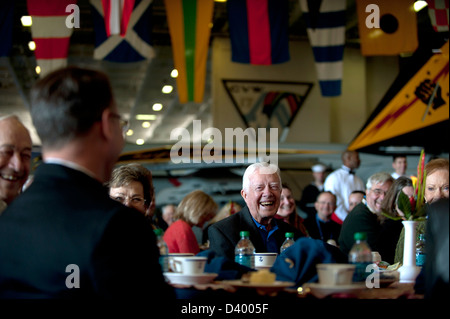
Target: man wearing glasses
column 366, row 216
column 64, row 237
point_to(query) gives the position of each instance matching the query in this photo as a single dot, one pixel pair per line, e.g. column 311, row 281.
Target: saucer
column 262, row 287
column 321, row 291
column 182, row 279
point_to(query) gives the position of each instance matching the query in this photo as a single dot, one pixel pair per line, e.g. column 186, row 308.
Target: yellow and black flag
column 387, row 27
column 422, row 102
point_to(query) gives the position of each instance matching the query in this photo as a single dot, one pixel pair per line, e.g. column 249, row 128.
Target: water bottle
column 420, row 251
column 163, row 250
column 361, row 256
column 288, row 242
column 244, row 251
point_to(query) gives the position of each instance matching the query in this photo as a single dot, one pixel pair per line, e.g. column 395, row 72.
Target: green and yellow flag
column 190, row 27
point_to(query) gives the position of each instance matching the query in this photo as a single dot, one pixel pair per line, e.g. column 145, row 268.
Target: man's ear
column 107, row 128
column 243, row 194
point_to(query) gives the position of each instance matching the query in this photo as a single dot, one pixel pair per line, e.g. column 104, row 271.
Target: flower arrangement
column 413, row 207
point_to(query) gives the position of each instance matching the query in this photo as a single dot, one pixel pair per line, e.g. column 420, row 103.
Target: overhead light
column 167, row 89
column 220, row 0
column 140, row 141
column 174, row 73
column 32, row 45
column 145, row 117
column 26, row 21
column 146, row 124
column 419, row 5
column 157, row 107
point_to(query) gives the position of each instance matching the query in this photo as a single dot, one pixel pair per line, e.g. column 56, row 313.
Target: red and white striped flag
column 438, row 12
column 50, row 33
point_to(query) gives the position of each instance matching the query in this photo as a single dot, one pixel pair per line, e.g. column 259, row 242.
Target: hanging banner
column 387, row 27
column 190, row 28
column 122, row 34
column 422, row 102
column 50, row 33
column 438, row 12
column 325, row 22
column 259, row 31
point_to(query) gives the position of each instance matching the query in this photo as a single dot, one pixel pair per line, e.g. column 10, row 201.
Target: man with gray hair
column 366, row 216
column 261, row 190
column 15, row 156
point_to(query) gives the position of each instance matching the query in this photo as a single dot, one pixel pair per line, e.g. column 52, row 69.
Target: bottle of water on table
column 163, row 250
column 361, row 256
column 288, row 242
column 244, row 251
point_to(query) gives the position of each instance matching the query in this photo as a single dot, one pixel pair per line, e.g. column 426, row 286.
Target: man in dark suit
column 261, row 190
column 64, row 237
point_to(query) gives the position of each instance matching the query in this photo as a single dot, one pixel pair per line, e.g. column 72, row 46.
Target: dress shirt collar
column 273, row 224
column 69, row 164
column 347, row 169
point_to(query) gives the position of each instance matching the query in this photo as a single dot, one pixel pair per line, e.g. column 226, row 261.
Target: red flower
column 412, row 201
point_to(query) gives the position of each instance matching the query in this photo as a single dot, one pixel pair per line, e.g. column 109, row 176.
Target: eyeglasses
column 123, row 123
column 378, row 192
column 134, row 201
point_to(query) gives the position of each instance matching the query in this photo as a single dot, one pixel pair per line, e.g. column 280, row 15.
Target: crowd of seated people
column 66, row 217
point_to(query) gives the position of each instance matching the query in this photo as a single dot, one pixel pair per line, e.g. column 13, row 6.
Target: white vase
column 409, row 271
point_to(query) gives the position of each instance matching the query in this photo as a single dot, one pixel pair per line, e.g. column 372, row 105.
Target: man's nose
column 16, row 162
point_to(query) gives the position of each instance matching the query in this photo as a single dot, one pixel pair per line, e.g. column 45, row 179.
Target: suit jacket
column 224, row 235
column 65, row 238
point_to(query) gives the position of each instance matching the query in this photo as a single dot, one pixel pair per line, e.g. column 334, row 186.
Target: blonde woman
column 195, row 209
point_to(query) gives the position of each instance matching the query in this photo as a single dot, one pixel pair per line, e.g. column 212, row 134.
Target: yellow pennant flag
column 387, row 27
column 422, row 102
column 190, row 28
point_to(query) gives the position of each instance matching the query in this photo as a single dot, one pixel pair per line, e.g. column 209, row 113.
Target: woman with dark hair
column 132, row 185
column 288, row 210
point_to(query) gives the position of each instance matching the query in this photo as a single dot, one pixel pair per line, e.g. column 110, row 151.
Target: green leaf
column 391, row 217
column 404, row 205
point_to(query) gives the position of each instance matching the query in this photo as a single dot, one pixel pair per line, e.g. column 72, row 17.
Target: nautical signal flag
column 422, row 102
column 438, row 12
column 6, row 26
column 387, row 27
column 325, row 25
column 122, row 30
column 259, row 31
column 190, row 27
column 50, row 33
column 117, row 15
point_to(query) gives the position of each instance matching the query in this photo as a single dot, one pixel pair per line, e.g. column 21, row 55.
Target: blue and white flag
column 130, row 45
column 6, row 26
column 325, row 22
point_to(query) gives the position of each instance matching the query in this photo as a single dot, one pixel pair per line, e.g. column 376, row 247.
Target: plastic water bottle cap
column 360, row 236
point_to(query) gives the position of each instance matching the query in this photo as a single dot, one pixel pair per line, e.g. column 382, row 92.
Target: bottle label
column 420, row 260
column 245, row 260
column 164, row 262
column 360, row 273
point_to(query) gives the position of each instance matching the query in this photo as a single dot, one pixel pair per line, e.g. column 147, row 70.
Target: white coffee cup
column 265, row 260
column 192, row 265
column 335, row 274
column 171, row 256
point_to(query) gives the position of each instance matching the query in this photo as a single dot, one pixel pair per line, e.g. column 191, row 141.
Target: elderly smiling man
column 15, row 155
column 261, row 190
